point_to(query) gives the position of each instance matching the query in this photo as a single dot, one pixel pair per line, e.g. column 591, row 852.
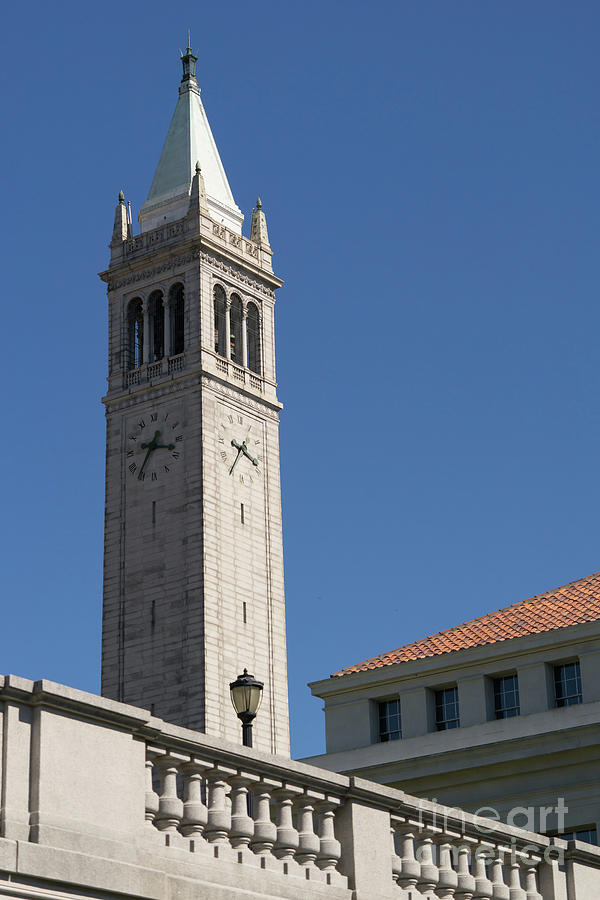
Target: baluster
column 219, row 816
column 308, row 842
column 410, row 870
column 151, row 797
column 265, row 832
column 501, row 891
column 287, row 841
column 195, row 814
column 516, row 892
column 429, row 876
column 396, row 861
column 242, row 825
column 483, row 885
column 330, row 849
column 170, row 807
column 448, row 878
column 531, row 888
column 466, row 882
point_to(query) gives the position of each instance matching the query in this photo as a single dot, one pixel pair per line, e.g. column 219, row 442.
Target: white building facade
column 501, row 714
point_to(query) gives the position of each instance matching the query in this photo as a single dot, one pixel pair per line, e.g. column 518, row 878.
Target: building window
column 588, row 834
column 176, row 312
column 235, row 331
column 446, row 709
column 135, row 334
column 253, row 325
column 157, row 326
column 219, row 300
column 506, row 697
column 567, row 684
column 390, row 721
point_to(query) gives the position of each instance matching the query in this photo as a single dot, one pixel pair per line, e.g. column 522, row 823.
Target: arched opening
column 219, row 302
column 135, row 334
column 157, row 326
column 235, row 330
column 254, row 361
column 176, row 309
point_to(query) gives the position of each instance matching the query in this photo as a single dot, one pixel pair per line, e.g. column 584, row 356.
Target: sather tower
column 193, row 567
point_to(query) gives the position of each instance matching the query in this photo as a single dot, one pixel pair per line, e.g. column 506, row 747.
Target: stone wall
column 97, row 796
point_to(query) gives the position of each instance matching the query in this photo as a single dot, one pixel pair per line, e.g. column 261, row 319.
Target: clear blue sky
column 430, row 177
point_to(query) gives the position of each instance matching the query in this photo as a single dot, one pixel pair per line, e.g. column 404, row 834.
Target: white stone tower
column 193, row 564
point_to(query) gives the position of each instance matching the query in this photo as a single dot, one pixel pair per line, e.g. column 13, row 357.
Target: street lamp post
column 246, row 695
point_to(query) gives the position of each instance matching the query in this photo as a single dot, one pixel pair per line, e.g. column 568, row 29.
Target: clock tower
column 193, row 562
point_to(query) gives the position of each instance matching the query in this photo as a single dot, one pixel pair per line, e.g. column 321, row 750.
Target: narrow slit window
column 235, row 331
column 135, row 334
column 176, row 311
column 157, row 326
column 219, row 317
column 253, row 326
column 244, row 611
column 242, row 513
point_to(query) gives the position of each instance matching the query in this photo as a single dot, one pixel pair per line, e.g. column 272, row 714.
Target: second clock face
column 154, row 445
column 239, row 447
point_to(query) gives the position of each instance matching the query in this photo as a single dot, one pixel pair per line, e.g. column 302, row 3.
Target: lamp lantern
column 246, row 695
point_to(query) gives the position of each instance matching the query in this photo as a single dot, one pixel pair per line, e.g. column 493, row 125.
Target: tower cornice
column 187, row 234
column 136, row 270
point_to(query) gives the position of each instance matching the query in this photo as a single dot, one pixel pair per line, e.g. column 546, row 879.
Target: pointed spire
column 121, row 226
column 258, row 227
column 198, row 202
column 189, row 138
column 188, row 62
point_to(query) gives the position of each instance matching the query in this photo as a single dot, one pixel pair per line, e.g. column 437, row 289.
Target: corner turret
column 258, row 227
column 121, row 226
column 198, row 204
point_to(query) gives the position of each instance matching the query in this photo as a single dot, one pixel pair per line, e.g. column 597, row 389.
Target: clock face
column 239, row 447
column 154, row 445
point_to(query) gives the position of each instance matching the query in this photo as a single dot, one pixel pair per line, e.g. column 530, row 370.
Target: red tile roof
column 571, row 604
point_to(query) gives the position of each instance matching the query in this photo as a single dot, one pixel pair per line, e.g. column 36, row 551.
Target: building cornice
column 186, row 251
column 493, row 655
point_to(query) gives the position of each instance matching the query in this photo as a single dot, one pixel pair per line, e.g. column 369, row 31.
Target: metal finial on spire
column 121, row 197
column 198, row 169
column 188, row 61
column 189, row 46
column 258, row 203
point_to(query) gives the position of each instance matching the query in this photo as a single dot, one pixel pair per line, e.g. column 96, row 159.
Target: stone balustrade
column 446, row 864
column 151, row 371
column 99, row 797
column 241, row 815
column 261, row 815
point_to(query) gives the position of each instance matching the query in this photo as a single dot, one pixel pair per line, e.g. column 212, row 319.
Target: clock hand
column 165, row 447
column 244, row 450
column 234, row 443
column 150, row 447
